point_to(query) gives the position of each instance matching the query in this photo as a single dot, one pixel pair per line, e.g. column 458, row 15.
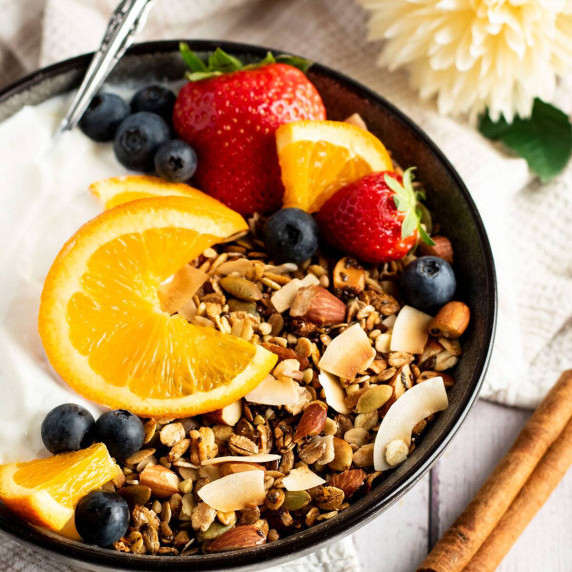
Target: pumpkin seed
column 235, row 305
column 295, row 500
column 135, row 494
column 373, row 398
column 241, row 288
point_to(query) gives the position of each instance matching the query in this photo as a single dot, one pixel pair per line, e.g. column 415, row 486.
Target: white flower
column 474, row 54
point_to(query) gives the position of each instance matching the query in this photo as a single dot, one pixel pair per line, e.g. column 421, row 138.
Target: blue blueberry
column 121, row 431
column 428, row 283
column 138, row 138
column 102, row 517
column 156, row 99
column 67, row 427
column 291, row 235
column 175, row 161
column 103, row 116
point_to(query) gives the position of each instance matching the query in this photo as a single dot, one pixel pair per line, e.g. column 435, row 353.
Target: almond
column 244, row 536
column 349, row 277
column 312, row 421
column 162, row 482
column 349, row 481
column 451, row 321
column 232, row 468
column 442, row 248
column 287, row 353
column 318, row 306
column 229, row 415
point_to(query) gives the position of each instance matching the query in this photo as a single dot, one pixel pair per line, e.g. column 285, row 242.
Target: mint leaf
column 544, row 139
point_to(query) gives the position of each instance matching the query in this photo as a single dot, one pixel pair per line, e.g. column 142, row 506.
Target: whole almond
column 287, row 353
column 244, row 536
column 349, row 481
column 162, row 482
column 312, row 421
column 442, row 248
column 451, row 320
column 318, row 306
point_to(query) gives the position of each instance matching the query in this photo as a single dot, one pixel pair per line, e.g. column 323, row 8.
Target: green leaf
column 425, row 237
column 300, row 63
column 219, row 60
column 409, row 224
column 198, row 76
column 544, row 139
column 194, row 63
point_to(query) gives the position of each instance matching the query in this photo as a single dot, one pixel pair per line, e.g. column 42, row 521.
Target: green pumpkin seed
column 241, row 288
column 214, row 530
column 295, row 500
column 373, row 398
column 135, row 494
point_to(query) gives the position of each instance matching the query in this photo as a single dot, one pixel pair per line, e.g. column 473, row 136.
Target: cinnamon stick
column 532, row 496
column 460, row 543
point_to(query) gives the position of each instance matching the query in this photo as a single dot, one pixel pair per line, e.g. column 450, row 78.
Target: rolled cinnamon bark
column 460, row 543
column 532, row 496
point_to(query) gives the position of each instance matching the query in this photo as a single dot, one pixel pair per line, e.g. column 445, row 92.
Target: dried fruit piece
column 348, row 277
column 451, row 320
column 234, row 492
column 282, row 299
column 410, row 331
column 312, row 421
column 244, row 536
column 319, row 306
column 301, row 479
column 416, row 404
column 162, row 482
column 272, row 391
column 335, row 395
column 348, row 353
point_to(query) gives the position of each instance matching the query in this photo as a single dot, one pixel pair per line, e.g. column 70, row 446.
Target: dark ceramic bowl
column 453, row 207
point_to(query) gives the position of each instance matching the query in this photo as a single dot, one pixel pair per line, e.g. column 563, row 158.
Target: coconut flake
column 410, row 331
column 282, row 299
column 272, row 391
column 348, row 353
column 300, row 479
column 335, row 395
column 234, row 492
column 179, row 288
column 413, row 406
column 261, row 458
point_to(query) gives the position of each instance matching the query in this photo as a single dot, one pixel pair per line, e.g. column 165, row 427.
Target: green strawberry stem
column 408, row 201
column 219, row 62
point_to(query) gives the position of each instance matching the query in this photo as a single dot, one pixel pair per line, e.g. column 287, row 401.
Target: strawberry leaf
column 220, row 61
column 544, row 139
column 194, row 63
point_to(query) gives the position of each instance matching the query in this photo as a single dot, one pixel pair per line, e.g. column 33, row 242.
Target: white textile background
column 529, row 225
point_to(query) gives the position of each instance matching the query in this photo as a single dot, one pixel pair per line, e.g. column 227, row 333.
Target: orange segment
column 46, row 491
column 319, row 157
column 118, row 190
column 103, row 327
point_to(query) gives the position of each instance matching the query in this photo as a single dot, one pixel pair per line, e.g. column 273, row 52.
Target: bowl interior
column 454, row 210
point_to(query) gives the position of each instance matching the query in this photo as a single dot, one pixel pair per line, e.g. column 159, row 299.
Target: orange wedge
column 118, row 190
column 46, row 491
column 103, row 326
column 319, row 157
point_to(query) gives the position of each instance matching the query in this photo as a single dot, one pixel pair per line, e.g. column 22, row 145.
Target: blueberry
column 175, row 161
column 103, row 116
column 291, row 235
column 121, row 431
column 156, row 99
column 67, row 427
column 137, row 140
column 428, row 283
column 102, row 517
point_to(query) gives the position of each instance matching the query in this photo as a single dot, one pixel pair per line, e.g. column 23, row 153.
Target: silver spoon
column 124, row 24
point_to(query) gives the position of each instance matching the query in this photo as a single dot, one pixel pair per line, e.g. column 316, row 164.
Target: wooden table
column 399, row 539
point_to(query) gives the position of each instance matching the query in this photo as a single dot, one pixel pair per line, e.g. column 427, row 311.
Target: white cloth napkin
column 528, row 224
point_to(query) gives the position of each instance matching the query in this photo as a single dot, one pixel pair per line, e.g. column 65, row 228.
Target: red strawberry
column 376, row 218
column 230, row 120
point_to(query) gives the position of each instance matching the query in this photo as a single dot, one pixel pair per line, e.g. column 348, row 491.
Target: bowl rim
column 309, row 540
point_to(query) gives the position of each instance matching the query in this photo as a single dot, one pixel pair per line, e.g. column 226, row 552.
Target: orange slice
column 46, row 491
column 319, row 157
column 118, row 190
column 103, row 326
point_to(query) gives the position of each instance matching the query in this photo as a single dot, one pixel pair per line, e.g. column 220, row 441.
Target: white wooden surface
column 399, row 539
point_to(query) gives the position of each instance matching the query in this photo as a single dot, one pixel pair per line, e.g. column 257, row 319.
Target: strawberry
column 376, row 218
column 229, row 112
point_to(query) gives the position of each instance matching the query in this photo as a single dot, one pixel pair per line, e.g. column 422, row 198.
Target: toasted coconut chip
column 301, row 479
column 348, row 353
column 282, row 299
column 410, row 331
column 234, row 492
column 413, row 406
column 272, row 391
column 180, row 288
column 335, row 395
column 188, row 310
column 329, row 453
column 261, row 458
column 389, row 322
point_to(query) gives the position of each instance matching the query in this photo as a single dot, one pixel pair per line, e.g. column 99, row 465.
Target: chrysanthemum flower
column 474, row 54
